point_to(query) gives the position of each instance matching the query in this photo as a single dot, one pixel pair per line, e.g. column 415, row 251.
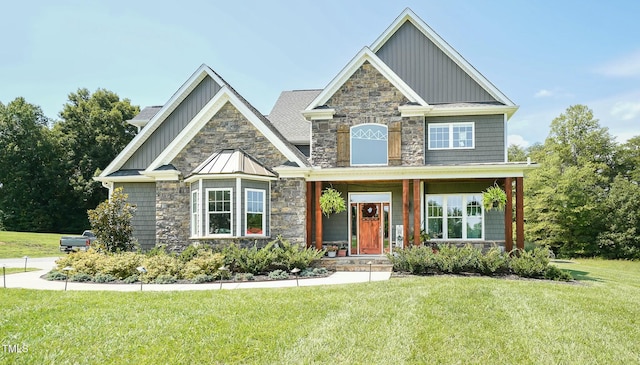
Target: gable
column 173, row 125
column 428, row 70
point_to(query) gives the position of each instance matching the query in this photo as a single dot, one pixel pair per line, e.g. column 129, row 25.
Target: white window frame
column 246, row 212
column 351, row 154
column 208, row 213
column 450, row 126
column 444, row 217
column 195, row 213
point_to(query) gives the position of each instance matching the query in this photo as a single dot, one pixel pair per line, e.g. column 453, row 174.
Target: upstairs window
column 451, row 136
column 369, row 144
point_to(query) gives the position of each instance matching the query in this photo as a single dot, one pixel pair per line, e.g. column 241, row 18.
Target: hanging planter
column 494, row 198
column 331, row 202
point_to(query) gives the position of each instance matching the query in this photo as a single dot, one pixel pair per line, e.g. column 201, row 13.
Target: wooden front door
column 369, row 223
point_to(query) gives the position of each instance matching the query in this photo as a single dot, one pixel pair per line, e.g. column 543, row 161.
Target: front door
column 370, row 223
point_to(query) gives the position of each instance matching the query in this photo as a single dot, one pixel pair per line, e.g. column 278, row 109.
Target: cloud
column 626, row 110
column 626, row 66
column 543, row 93
column 555, row 94
column 517, row 140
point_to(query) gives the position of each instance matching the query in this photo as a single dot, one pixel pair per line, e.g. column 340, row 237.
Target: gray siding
column 489, row 141
column 173, row 125
column 143, row 196
column 493, row 220
column 428, row 70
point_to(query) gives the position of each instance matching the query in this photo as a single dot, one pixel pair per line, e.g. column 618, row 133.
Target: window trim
column 195, row 213
column 445, row 217
column 208, row 213
column 351, row 154
column 246, row 212
column 450, row 126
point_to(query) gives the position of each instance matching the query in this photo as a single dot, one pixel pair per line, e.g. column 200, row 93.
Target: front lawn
column 20, row 244
column 433, row 319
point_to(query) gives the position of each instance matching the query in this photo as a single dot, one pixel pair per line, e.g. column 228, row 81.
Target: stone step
column 358, row 264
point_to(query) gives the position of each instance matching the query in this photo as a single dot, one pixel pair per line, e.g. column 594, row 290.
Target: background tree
column 628, row 159
column 111, row 223
column 30, row 168
column 92, row 132
column 516, row 153
column 621, row 237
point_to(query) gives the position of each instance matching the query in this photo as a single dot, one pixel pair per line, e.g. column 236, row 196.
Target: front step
column 358, row 264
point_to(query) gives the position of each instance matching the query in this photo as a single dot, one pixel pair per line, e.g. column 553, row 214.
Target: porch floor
column 379, row 263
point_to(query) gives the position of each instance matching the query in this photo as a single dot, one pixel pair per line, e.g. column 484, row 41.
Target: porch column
column 416, row 212
column 318, row 215
column 405, row 212
column 508, row 216
column 309, row 214
column 519, row 213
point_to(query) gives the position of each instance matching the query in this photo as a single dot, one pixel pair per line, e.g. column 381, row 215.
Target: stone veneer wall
column 367, row 97
column 228, row 129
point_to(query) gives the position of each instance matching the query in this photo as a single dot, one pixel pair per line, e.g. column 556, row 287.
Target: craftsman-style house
column 408, row 131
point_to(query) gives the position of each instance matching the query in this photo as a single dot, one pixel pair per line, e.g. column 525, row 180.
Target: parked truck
column 77, row 243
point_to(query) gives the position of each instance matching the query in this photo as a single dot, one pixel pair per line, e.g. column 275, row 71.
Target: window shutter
column 342, row 140
column 395, row 144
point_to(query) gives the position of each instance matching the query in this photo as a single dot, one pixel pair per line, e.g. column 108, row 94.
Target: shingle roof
column 232, row 162
column 147, row 113
column 286, row 115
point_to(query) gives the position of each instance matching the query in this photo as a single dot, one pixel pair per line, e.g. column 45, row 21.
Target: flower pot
column 331, row 253
column 342, row 253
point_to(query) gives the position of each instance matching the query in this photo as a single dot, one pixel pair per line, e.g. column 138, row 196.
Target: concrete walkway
column 32, row 280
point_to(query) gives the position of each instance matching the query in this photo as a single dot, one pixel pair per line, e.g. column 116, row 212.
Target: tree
column 516, row 153
column 92, row 132
column 628, row 159
column 621, row 238
column 563, row 197
column 29, row 169
column 111, row 223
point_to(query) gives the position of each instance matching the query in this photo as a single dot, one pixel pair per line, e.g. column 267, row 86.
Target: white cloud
column 517, row 140
column 626, row 66
column 626, row 110
column 543, row 93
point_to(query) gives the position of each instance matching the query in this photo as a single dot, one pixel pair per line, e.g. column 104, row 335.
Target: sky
column 544, row 55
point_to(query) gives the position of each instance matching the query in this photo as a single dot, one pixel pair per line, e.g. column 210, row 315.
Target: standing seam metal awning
column 232, row 162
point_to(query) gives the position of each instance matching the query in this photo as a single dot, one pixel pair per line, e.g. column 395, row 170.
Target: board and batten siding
column 489, row 141
column 173, row 125
column 428, row 70
column 143, row 196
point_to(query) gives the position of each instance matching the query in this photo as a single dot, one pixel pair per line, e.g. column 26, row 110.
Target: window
column 255, row 212
column 369, row 144
column 451, row 136
column 195, row 209
column 219, row 212
column 455, row 216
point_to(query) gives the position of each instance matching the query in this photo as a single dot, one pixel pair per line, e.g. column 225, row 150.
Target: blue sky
column 544, row 55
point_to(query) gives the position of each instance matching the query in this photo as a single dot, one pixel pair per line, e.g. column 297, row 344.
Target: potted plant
column 331, row 250
column 494, row 198
column 342, row 251
column 331, row 201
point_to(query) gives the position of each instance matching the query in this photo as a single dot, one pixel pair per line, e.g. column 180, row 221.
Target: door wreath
column 369, row 210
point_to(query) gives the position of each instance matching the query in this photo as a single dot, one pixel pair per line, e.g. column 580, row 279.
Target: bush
column 289, row 256
column 494, row 262
column 316, row 271
column 203, row 263
column 248, row 260
column 131, row 279
column 278, row 275
column 81, row 277
column 202, row 278
column 454, row 260
column 414, row 259
column 83, row 262
column 160, row 264
column 553, row 272
column 56, row 275
column 165, row 279
column 104, row 278
column 244, row 277
column 121, row 265
column 530, row 264
column 111, row 223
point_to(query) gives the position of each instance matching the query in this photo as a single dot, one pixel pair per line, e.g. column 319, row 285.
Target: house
column 408, row 131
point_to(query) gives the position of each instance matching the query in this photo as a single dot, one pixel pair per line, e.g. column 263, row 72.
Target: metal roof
column 232, row 162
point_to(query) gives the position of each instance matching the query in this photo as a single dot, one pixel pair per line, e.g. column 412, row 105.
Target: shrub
column 104, row 278
column 244, row 277
column 278, row 275
column 111, row 223
column 530, row 264
column 413, row 259
column 161, row 264
column 131, row 279
column 553, row 272
column 191, row 252
column 202, row 278
column 56, row 275
column 121, row 265
column 494, row 262
column 453, row 260
column 165, row 279
column 289, row 256
column 203, row 263
column 81, row 277
column 83, row 262
column 248, row 260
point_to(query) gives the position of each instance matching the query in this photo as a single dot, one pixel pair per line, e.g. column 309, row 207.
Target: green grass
column 20, row 244
column 17, row 270
column 435, row 320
